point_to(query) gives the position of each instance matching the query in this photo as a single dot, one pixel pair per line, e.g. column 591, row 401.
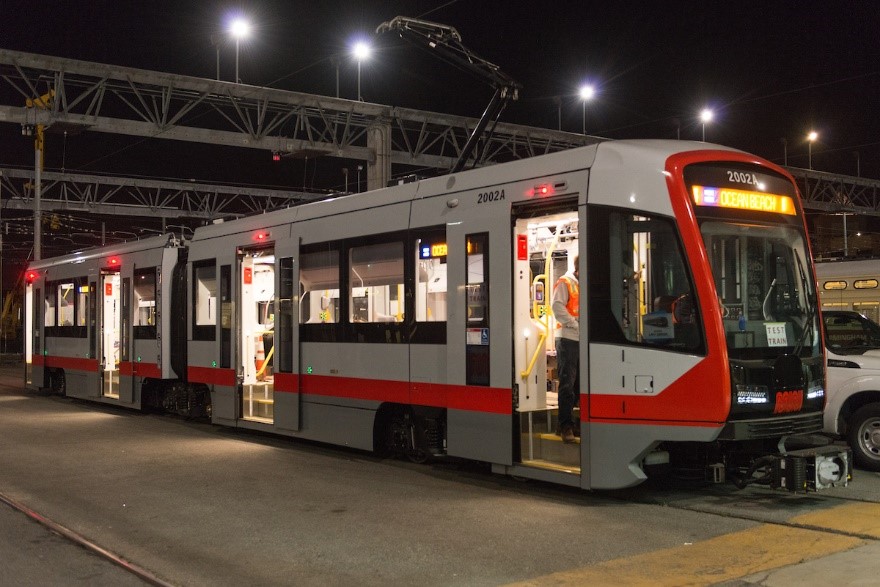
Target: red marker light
column 261, row 236
column 31, row 276
column 114, row 261
column 542, row 191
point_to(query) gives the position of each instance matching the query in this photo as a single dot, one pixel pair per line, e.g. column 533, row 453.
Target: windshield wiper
column 810, row 318
column 765, row 307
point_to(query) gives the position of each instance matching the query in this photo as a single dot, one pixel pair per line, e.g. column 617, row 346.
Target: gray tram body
column 416, row 318
column 80, row 352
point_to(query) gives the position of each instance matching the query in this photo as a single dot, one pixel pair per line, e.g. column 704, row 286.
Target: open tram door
column 33, row 332
column 255, row 333
column 546, row 245
column 109, row 327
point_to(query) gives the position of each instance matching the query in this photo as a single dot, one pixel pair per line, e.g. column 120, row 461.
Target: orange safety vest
column 574, row 295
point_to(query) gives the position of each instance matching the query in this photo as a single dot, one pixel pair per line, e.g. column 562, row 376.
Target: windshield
column 768, row 301
column 849, row 333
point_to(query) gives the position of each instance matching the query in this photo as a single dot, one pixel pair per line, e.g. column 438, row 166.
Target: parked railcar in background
column 850, row 297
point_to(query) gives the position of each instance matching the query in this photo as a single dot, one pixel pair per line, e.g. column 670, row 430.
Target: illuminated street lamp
column 239, row 29
column 706, row 117
column 812, row 136
column 361, row 51
column 586, row 93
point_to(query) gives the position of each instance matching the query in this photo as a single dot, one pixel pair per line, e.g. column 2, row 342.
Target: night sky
column 772, row 71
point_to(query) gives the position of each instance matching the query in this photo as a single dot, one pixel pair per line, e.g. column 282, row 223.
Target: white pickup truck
column 853, row 384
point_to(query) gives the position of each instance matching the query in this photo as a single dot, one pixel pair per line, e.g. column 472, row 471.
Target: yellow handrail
column 541, row 322
column 266, row 361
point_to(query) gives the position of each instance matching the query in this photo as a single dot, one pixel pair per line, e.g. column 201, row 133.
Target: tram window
column 726, row 257
column 65, row 308
column 225, row 316
column 376, row 283
column 834, row 285
column 284, row 320
column 640, row 289
column 430, row 278
column 66, row 303
column 477, row 287
column 319, row 280
column 49, row 316
column 205, row 300
column 145, row 303
column 124, row 318
column 82, row 303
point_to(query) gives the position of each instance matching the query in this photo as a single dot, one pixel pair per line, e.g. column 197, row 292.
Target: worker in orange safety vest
column 566, row 301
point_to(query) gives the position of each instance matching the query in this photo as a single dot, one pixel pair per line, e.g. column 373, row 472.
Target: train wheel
column 417, row 456
column 59, row 383
column 863, row 435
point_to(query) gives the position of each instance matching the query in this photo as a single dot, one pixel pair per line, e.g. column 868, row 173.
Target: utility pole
column 43, row 102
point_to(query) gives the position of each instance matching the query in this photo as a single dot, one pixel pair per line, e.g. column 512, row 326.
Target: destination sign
column 743, row 200
column 434, row 251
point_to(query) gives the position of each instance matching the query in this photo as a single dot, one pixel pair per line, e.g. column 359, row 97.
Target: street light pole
column 237, row 78
column 586, row 93
column 240, row 29
column 811, row 137
column 215, row 40
column 361, row 51
column 335, row 61
column 705, row 116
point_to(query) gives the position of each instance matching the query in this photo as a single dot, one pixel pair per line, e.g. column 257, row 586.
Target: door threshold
column 560, row 467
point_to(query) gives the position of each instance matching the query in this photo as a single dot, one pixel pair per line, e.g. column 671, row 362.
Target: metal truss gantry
column 136, row 102
column 108, row 195
column 834, row 193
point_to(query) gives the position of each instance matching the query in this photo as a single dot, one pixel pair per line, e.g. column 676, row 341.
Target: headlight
column 752, row 394
column 815, row 390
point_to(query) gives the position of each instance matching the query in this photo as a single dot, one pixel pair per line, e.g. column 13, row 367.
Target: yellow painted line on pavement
column 723, row 558
column 854, row 518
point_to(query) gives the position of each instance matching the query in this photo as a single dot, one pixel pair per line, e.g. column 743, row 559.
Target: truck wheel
column 863, row 435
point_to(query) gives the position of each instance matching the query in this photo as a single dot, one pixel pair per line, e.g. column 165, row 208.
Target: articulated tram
column 416, row 319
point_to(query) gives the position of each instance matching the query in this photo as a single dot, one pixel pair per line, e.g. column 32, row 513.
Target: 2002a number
column 742, row 177
column 490, row 196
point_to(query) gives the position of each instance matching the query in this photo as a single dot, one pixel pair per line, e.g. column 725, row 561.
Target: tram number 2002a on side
column 493, row 196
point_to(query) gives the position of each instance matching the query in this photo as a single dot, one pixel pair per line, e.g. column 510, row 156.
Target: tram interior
column 257, row 334
column 552, row 245
column 110, row 343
